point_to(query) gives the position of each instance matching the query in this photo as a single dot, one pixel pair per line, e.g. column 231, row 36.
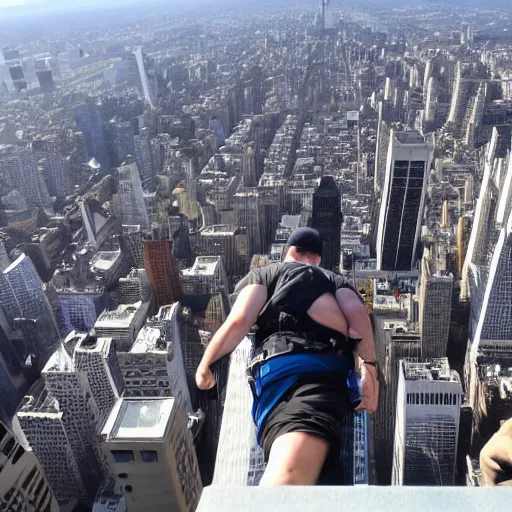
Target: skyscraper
column 327, row 218
column 402, row 201
column 12, row 379
column 146, row 88
column 23, row 298
column 18, row 168
column 249, row 217
column 97, row 358
column 151, row 451
column 144, row 161
column 88, row 121
column 434, row 310
column 56, row 167
column 427, row 424
column 131, row 198
column 162, row 271
column 22, row 483
column 41, row 419
column 80, row 416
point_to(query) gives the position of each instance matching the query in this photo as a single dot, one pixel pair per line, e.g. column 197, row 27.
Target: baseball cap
column 307, row 239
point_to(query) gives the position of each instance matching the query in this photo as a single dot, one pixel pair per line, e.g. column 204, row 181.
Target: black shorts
column 316, row 408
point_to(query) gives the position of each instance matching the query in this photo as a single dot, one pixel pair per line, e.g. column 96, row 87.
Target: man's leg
column 296, row 458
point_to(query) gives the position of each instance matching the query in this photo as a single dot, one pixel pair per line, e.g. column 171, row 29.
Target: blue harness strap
column 274, row 378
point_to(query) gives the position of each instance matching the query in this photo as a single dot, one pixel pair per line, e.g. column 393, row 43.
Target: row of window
column 124, row 456
column 432, row 399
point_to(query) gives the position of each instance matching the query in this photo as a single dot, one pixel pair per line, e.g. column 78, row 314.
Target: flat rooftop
column 120, row 317
column 409, row 138
column 204, row 265
column 147, row 340
column 433, row 370
column 139, row 419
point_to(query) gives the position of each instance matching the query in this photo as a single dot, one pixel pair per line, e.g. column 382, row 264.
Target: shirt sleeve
column 253, row 277
column 342, row 282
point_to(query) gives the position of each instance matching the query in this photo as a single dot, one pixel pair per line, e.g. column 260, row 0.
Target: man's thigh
column 296, row 458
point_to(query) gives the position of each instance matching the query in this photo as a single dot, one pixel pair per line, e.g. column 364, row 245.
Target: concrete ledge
column 340, row 499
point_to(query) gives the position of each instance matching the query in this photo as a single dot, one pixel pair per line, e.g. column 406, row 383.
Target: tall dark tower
column 327, row 218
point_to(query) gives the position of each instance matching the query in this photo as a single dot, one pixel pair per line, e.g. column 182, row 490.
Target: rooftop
column 149, row 338
column 139, row 419
column 120, row 317
column 433, row 370
column 409, row 138
column 219, row 230
column 204, row 265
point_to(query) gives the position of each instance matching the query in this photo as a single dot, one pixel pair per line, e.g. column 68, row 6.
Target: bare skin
column 295, row 458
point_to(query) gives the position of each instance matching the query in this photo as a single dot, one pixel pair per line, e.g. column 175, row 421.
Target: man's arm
column 243, row 315
column 357, row 318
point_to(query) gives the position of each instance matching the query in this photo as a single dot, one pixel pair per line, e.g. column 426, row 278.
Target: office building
column 19, row 169
column 249, row 217
column 143, row 77
column 23, row 485
column 56, row 167
column 222, row 240
column 427, row 424
column 88, row 121
column 131, row 198
column 132, row 238
column 179, row 234
column 402, row 201
column 41, row 419
column 13, row 382
column 206, row 277
column 154, row 365
column 327, row 218
column 120, row 139
column 122, row 324
column 435, row 306
column 144, row 160
column 151, row 453
column 162, row 271
column 135, row 287
column 45, row 79
column 97, row 358
column 80, row 415
column 26, row 305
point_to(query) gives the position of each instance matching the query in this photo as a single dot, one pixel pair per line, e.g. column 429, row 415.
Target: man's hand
column 204, row 378
column 370, row 385
column 496, row 457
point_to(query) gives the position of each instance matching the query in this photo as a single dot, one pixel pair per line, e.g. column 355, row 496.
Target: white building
column 151, row 451
column 427, row 424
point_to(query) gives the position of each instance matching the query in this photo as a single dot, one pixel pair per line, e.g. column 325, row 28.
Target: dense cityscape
column 151, row 156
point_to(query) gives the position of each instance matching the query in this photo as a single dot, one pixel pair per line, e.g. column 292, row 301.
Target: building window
column 122, row 455
column 29, row 478
column 19, row 453
column 128, row 488
column 9, row 446
column 149, row 456
column 123, row 475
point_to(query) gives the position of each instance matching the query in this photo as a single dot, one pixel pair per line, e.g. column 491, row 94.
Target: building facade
column 427, row 424
column 402, row 202
column 326, row 219
column 150, row 450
